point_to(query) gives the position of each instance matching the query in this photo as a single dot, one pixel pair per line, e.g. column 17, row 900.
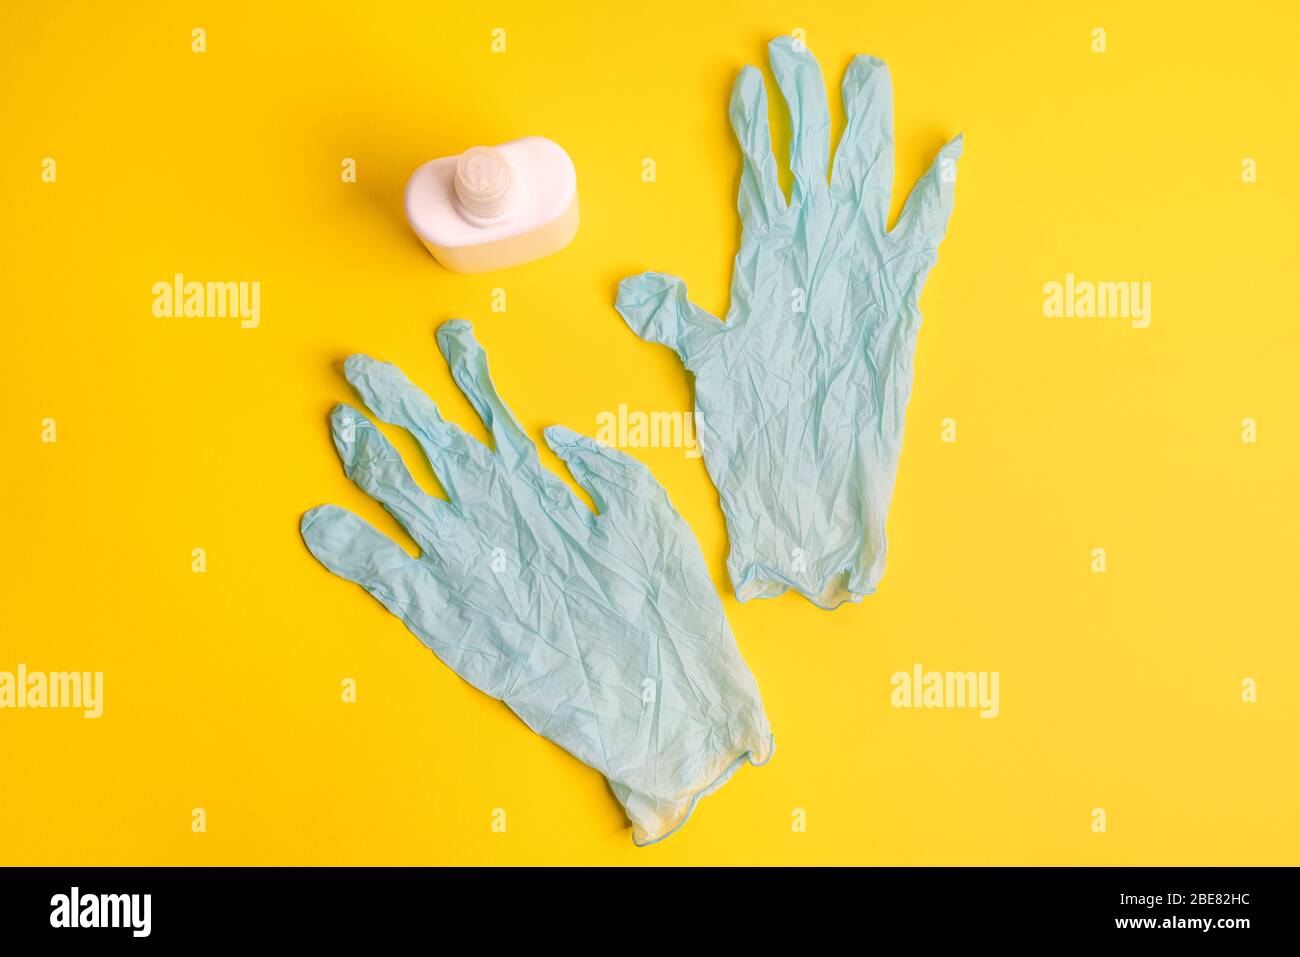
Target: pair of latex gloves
column 603, row 632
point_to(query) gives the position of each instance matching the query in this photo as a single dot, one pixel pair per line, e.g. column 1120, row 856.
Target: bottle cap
column 486, row 186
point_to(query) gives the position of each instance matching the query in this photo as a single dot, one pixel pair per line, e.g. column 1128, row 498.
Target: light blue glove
column 602, row 632
column 800, row 395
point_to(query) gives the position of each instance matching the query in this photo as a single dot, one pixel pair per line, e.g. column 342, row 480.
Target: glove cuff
column 829, row 590
column 654, row 818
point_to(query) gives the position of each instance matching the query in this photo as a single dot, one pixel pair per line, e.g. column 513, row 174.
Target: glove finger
column 614, row 480
column 864, row 161
column 469, row 368
column 924, row 219
column 800, row 79
column 354, row 549
column 370, row 460
column 463, row 464
column 761, row 198
column 657, row 309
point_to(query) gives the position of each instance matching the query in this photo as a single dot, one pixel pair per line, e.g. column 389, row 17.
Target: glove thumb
column 655, row 306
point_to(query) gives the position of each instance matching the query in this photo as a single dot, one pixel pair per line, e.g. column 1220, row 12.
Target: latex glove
column 603, row 632
column 800, row 394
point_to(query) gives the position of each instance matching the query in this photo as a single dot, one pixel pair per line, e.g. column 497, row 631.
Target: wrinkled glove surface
column 603, row 632
column 800, row 394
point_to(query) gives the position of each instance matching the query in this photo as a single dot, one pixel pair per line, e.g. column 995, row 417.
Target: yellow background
column 1118, row 690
